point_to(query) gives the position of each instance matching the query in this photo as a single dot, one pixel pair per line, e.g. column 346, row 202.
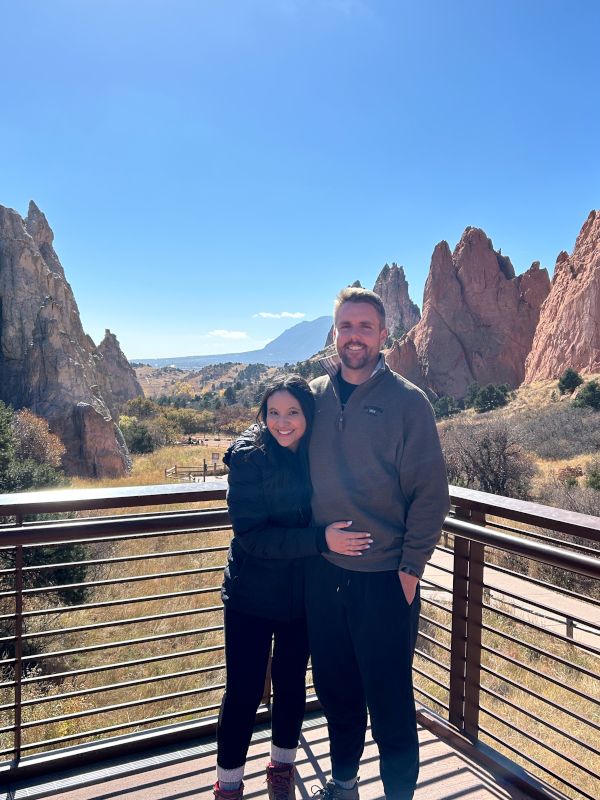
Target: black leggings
column 247, row 647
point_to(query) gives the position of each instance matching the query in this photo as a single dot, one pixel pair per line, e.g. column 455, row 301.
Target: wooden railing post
column 18, row 667
column 458, row 644
column 467, row 613
column 474, row 620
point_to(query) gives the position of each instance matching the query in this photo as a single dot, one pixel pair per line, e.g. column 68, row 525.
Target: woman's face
column 285, row 419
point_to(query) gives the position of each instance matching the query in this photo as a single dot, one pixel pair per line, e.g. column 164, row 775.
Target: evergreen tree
column 589, row 395
column 569, row 381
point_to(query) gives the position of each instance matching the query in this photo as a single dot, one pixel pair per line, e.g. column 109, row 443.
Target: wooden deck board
column 188, row 773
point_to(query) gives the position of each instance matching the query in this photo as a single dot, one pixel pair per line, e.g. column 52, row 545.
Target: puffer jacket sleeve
column 250, row 520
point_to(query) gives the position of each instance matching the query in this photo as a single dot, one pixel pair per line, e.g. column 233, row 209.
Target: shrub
column 33, row 439
column 7, row 447
column 559, row 430
column 141, row 408
column 189, row 420
column 592, row 477
column 29, row 454
column 589, row 395
column 569, row 381
column 446, row 406
column 570, row 475
column 491, row 397
column 487, row 456
column 471, row 395
column 137, row 435
column 29, row 474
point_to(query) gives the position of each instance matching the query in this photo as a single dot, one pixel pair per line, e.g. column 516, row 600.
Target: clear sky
column 203, row 162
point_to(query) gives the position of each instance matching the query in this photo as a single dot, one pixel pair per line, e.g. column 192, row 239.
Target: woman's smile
column 285, row 420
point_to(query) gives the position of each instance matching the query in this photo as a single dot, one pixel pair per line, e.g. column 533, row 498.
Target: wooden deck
column 188, row 773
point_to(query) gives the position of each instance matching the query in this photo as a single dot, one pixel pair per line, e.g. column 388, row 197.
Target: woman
column 263, row 590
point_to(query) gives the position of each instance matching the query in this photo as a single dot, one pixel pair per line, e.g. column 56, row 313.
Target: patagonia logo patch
column 373, row 411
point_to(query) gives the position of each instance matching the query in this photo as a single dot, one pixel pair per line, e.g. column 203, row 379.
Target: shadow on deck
column 188, row 773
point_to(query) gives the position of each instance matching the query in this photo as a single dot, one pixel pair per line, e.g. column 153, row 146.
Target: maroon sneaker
column 281, row 782
column 221, row 794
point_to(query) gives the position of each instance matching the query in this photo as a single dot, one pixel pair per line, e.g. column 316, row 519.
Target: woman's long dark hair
column 300, row 390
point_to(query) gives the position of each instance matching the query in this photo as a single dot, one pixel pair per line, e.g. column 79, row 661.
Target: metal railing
column 111, row 628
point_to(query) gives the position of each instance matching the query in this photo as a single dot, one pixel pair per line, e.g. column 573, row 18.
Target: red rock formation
column 568, row 333
column 478, row 319
column 47, row 361
column 401, row 313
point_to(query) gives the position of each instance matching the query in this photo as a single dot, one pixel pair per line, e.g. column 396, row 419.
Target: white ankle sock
column 283, row 755
column 345, row 784
column 230, row 779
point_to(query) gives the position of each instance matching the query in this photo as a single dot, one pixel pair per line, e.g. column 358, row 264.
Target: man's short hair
column 356, row 294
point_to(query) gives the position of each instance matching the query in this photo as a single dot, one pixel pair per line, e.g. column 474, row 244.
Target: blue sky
column 203, row 162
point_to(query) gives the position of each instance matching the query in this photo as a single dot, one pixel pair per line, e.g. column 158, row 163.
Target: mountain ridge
column 295, row 344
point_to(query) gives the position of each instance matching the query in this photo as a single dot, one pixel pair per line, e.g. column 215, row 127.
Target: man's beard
column 357, row 359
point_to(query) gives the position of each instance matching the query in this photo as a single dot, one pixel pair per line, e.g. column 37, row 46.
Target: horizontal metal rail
column 569, row 712
column 558, row 637
column 503, row 744
column 475, row 658
column 550, row 678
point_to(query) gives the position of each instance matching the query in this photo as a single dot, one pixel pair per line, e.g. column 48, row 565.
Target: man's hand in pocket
column 409, row 585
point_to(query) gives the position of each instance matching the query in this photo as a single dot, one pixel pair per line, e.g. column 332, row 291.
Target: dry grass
column 518, row 716
column 149, row 469
column 133, row 579
column 201, row 688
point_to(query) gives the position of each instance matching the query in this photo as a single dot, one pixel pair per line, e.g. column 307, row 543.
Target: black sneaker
column 331, row 791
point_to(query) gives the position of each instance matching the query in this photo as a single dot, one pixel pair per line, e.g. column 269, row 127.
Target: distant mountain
column 296, row 344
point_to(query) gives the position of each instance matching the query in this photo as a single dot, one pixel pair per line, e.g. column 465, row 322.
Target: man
column 376, row 460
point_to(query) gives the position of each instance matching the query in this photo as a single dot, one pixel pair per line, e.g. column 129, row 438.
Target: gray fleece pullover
column 379, row 463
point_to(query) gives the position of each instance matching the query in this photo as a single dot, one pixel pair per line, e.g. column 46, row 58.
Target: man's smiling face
column 359, row 338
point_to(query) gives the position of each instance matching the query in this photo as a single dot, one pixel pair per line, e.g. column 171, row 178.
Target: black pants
column 362, row 635
column 247, row 647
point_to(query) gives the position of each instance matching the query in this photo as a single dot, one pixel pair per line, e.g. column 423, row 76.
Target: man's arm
column 424, row 483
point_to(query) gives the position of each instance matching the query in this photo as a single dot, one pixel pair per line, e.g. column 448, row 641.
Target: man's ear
column 383, row 336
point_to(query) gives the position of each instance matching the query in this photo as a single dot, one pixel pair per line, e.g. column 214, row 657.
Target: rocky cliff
column 117, row 380
column 478, row 320
column 568, row 333
column 401, row 313
column 47, row 362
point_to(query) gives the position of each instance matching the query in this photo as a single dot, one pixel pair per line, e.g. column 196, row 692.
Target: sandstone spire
column 117, row 379
column 400, row 312
column 47, row 362
column 568, row 333
column 478, row 319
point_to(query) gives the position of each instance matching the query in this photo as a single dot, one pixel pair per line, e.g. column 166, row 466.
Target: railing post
column 474, row 620
column 18, row 669
column 458, row 644
column 467, row 611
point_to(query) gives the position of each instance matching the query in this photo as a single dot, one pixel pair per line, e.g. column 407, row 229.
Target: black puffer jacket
column 269, row 505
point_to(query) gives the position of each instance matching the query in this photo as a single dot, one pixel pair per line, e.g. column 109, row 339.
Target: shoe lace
column 281, row 784
column 323, row 792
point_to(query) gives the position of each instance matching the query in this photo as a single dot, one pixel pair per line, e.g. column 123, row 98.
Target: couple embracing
column 337, row 498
